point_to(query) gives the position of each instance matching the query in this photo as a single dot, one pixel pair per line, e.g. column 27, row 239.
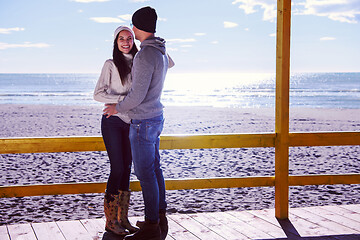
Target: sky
column 212, row 36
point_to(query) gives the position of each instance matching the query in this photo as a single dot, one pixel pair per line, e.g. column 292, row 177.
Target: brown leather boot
column 148, row 231
column 111, row 211
column 124, row 201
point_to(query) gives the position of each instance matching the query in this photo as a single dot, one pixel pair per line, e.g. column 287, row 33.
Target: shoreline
column 63, row 120
column 43, row 168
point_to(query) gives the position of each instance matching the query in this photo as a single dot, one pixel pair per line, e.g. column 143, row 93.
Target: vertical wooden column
column 282, row 109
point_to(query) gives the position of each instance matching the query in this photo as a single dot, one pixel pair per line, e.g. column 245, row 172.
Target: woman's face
column 125, row 41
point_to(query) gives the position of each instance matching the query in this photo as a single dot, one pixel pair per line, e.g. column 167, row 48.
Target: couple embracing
column 130, row 85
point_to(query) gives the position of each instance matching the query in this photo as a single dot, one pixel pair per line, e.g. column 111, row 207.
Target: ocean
column 237, row 90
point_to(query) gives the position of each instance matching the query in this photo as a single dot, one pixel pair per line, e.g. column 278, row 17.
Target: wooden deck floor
column 327, row 222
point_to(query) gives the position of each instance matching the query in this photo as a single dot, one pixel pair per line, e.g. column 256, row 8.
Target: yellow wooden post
column 282, row 109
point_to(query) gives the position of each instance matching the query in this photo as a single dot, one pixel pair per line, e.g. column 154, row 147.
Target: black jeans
column 115, row 133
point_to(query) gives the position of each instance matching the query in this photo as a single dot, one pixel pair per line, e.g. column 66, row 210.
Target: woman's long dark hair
column 120, row 61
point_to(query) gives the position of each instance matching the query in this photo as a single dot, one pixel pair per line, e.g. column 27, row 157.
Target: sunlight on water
column 211, row 81
column 218, row 89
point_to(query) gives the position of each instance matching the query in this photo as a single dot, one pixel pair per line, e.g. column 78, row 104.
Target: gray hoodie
column 148, row 73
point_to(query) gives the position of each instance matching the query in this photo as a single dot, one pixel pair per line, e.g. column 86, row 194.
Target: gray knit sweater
column 109, row 88
column 148, row 73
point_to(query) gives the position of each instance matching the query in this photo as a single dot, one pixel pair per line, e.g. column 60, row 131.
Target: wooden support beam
column 171, row 184
column 282, row 109
column 80, row 144
column 229, row 182
column 324, row 139
column 51, row 144
column 177, row 184
column 304, row 180
column 236, row 140
column 217, row 141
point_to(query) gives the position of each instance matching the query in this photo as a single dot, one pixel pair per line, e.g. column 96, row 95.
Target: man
column 146, row 111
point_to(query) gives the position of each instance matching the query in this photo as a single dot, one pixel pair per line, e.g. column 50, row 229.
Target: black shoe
column 163, row 223
column 148, row 231
column 112, row 236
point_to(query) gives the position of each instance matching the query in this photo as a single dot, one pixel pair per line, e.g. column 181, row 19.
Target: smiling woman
column 113, row 84
column 125, row 41
column 123, row 52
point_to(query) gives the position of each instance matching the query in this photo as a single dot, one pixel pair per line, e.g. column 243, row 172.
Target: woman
column 112, row 86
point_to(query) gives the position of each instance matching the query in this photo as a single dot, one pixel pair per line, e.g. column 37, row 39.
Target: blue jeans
column 145, row 140
column 115, row 134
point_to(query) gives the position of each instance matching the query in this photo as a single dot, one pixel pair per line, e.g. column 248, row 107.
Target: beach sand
column 43, row 168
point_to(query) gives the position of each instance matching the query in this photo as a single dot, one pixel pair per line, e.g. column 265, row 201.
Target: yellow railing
column 81, row 144
column 281, row 140
column 78, row 144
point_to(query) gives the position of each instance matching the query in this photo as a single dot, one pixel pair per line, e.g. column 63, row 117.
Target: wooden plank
column 294, row 227
column 324, row 138
column 325, row 179
column 352, row 207
column 210, row 221
column 236, row 226
column 95, row 227
column 73, row 230
column 176, row 231
column 80, row 144
column 21, row 232
column 47, row 230
column 196, row 228
column 282, row 108
column 260, row 224
column 4, row 235
column 238, row 140
column 308, row 229
column 227, row 182
column 51, row 144
column 345, row 212
column 51, row 189
column 171, row 184
column 333, row 227
column 269, row 216
column 311, row 222
column 177, row 184
column 335, row 217
column 242, row 227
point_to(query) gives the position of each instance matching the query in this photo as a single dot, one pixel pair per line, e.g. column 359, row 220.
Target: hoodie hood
column 155, row 42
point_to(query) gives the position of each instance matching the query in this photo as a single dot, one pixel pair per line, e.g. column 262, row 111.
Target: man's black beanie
column 145, row 19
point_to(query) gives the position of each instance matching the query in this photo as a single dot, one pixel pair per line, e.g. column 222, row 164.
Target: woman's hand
column 109, row 110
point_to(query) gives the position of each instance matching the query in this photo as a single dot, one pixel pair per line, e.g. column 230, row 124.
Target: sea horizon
column 236, row 90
